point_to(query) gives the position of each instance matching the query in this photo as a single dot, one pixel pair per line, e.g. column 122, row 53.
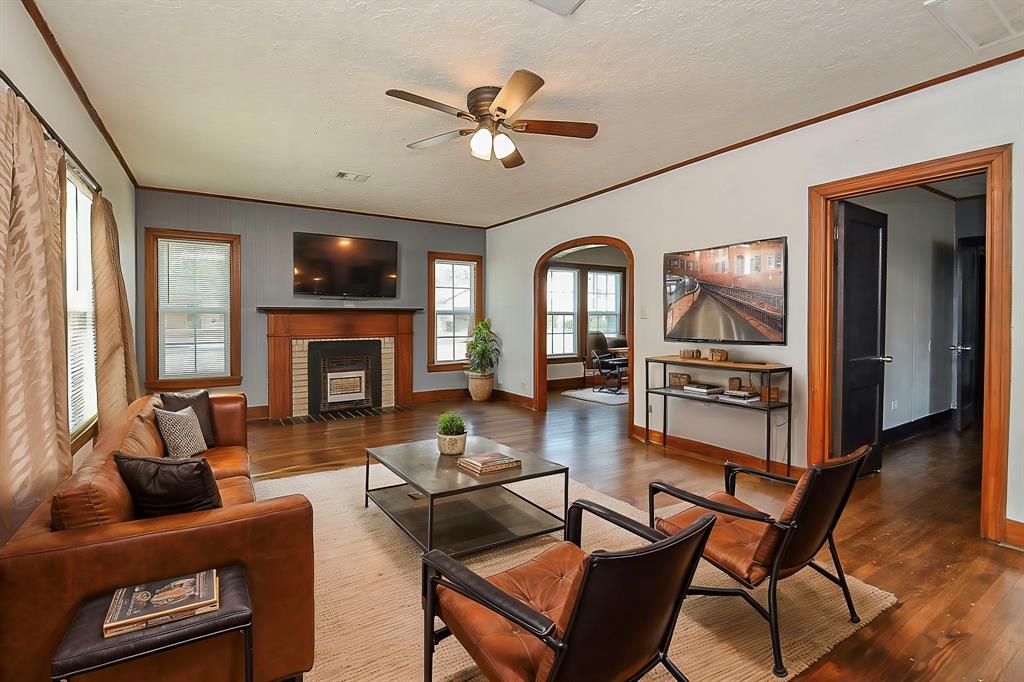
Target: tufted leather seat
column 547, row 583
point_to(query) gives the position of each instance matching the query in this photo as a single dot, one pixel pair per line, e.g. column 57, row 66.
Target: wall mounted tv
column 727, row 294
column 333, row 265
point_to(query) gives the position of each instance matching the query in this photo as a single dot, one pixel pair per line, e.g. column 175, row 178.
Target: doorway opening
column 910, row 326
column 583, row 326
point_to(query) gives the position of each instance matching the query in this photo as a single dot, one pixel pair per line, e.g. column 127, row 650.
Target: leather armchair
column 751, row 546
column 568, row 615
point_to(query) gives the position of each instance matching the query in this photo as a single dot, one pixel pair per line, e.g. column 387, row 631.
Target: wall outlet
column 522, row 385
column 893, row 405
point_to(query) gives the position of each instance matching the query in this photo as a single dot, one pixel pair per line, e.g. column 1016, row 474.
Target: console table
column 767, row 370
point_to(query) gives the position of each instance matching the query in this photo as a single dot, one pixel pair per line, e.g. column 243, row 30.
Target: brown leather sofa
column 82, row 542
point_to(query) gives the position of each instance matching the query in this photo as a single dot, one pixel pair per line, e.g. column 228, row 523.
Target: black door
column 968, row 347
column 859, row 360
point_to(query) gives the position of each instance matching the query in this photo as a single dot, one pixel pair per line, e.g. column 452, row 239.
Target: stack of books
column 740, row 396
column 161, row 601
column 489, row 463
column 699, row 389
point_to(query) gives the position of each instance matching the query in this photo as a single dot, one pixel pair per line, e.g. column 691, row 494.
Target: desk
column 767, row 370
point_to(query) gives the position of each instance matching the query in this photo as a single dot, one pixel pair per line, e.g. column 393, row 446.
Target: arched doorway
column 540, row 304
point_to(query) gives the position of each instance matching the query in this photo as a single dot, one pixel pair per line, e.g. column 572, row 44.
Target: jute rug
column 369, row 619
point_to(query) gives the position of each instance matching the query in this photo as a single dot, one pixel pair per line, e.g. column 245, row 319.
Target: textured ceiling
column 270, row 99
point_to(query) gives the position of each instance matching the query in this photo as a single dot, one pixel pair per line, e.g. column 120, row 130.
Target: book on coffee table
column 161, row 601
column 488, row 463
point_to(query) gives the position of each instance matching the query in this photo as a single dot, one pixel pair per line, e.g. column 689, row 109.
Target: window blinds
column 81, row 315
column 194, row 308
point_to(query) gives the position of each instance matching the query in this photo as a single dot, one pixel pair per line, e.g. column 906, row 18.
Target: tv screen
column 727, row 294
column 333, row 265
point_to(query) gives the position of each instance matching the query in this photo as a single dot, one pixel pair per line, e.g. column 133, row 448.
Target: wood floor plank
column 913, row 530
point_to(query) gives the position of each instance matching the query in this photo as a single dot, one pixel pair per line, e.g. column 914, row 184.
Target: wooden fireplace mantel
column 287, row 323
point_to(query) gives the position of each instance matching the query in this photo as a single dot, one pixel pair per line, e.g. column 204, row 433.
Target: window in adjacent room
column 604, row 301
column 192, row 309
column 563, row 302
column 455, row 282
column 81, row 314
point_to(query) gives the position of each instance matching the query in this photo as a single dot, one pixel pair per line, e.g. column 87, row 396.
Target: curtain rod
column 52, row 134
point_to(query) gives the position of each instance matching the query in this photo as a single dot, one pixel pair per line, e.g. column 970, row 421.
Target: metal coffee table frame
column 544, row 521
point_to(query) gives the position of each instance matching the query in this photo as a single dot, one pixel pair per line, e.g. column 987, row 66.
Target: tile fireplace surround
column 291, row 329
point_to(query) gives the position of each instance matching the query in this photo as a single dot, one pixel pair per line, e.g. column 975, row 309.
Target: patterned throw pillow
column 198, row 401
column 181, row 433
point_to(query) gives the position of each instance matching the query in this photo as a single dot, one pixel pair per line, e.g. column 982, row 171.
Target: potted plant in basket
column 451, row 434
column 482, row 353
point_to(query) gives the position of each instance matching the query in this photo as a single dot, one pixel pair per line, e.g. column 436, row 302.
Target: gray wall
column 266, row 232
column 918, row 302
column 970, row 217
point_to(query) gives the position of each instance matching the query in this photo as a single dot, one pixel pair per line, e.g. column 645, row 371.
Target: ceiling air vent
column 980, row 24
column 352, row 177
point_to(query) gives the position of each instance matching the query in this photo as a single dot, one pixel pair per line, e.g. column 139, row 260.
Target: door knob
column 884, row 358
column 960, row 349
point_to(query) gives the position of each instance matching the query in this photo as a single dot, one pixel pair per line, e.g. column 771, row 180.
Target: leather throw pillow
column 160, row 486
column 183, row 437
column 199, row 401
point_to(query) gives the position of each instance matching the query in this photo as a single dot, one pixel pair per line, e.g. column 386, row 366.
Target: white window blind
column 81, row 315
column 454, row 308
column 193, row 308
column 563, row 301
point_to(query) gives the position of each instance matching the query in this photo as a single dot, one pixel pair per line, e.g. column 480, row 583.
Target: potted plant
column 451, row 434
column 482, row 353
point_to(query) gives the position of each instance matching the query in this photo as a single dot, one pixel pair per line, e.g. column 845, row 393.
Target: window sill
column 448, row 367
column 194, row 382
column 563, row 359
column 84, row 435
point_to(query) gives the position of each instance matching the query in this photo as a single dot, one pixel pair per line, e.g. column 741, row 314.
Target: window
column 192, row 309
column 604, row 294
column 563, row 300
column 81, row 315
column 455, row 282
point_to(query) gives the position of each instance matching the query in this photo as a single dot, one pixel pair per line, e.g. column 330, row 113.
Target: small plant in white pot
column 451, row 434
column 482, row 353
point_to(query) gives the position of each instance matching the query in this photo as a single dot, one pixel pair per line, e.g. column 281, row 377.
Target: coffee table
column 442, row 506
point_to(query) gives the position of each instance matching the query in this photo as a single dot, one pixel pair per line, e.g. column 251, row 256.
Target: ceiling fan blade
column 562, row 128
column 438, row 139
column 513, row 160
column 520, row 87
column 425, row 102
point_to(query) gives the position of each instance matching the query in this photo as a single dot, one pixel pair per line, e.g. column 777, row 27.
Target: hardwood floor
column 913, row 530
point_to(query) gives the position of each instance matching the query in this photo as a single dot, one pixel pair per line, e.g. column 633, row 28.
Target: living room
column 510, row 339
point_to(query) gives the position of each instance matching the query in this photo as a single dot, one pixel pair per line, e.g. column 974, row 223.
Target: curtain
column 35, row 449
column 117, row 375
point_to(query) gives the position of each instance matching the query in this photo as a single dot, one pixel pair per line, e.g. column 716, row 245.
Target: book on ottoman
column 161, row 601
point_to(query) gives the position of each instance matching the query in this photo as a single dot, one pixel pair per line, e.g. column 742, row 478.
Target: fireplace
column 344, row 375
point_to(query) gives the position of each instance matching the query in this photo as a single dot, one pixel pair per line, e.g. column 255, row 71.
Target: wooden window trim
column 583, row 309
column 84, row 434
column 432, row 256
column 153, row 380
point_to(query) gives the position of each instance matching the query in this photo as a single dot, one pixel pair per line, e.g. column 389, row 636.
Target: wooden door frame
column 996, row 373
column 540, row 308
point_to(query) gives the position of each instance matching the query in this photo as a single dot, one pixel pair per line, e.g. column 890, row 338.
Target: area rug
column 592, row 396
column 369, row 619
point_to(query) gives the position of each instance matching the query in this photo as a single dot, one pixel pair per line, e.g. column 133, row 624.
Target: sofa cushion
column 160, row 486
column 181, row 433
column 199, row 401
column 143, row 437
column 228, row 461
column 94, row 495
column 235, row 490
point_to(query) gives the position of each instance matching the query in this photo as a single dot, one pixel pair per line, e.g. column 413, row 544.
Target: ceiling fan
column 492, row 108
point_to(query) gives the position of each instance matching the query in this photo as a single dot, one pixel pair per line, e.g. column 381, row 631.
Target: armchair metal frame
column 440, row 569
column 787, row 529
column 612, row 369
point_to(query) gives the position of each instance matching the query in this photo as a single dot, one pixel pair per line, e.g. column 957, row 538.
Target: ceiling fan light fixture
column 503, row 145
column 480, row 144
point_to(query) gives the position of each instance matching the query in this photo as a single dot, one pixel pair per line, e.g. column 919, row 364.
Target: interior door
column 968, row 347
column 859, row 351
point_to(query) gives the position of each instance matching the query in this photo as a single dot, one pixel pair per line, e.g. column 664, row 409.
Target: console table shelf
column 767, row 371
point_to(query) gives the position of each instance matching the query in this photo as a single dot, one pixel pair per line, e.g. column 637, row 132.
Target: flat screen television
column 334, row 265
column 727, row 294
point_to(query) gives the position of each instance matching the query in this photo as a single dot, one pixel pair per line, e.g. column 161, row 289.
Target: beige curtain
column 117, row 376
column 35, row 449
